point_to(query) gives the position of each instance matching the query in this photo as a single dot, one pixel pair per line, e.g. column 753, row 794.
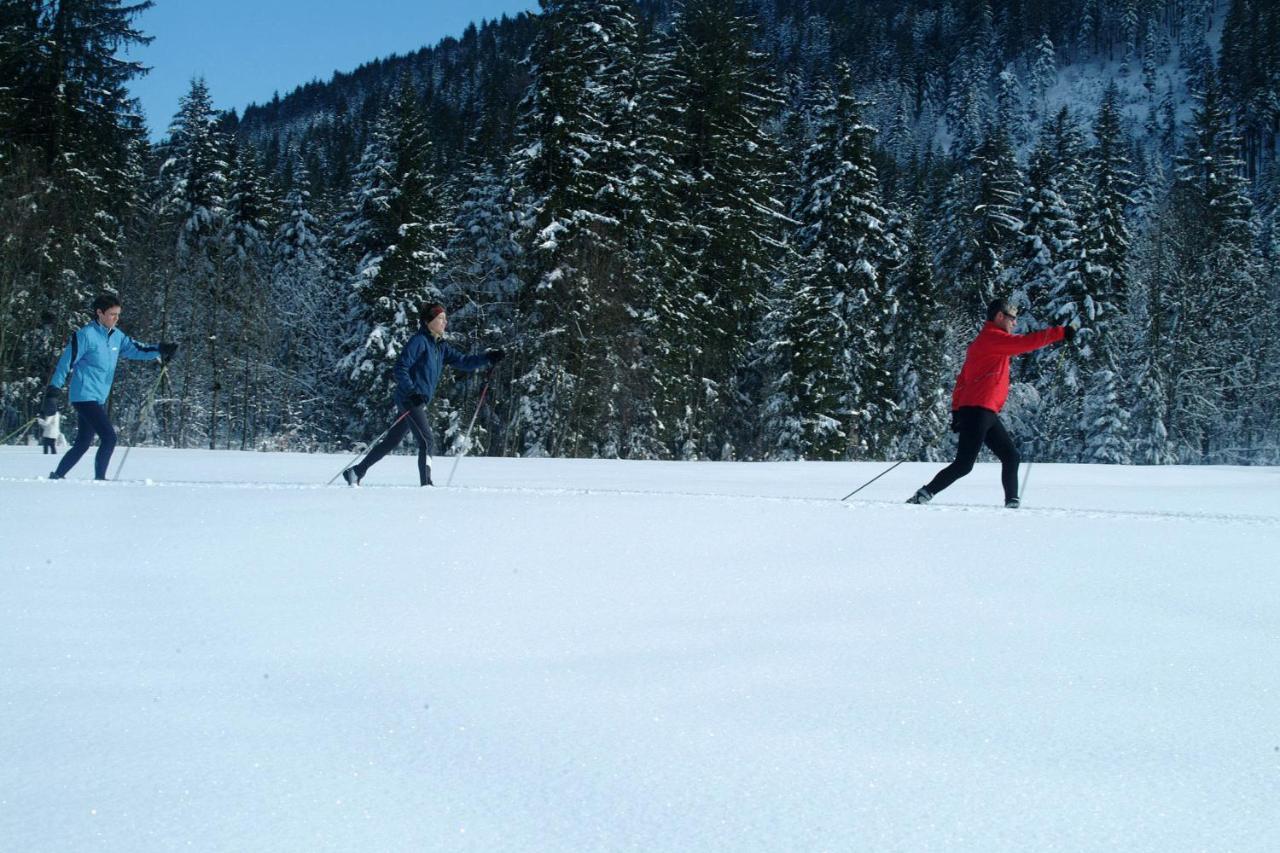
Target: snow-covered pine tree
column 1048, row 240
column 731, row 162
column 391, row 234
column 69, row 142
column 840, row 315
column 979, row 223
column 1044, row 73
column 481, row 278
column 481, row 283
column 1216, row 293
column 1151, row 312
column 195, row 176
column 246, row 265
column 1043, row 275
column 782, row 434
column 1106, row 275
column 572, row 165
column 641, row 195
column 304, row 322
column 920, row 353
column 969, row 111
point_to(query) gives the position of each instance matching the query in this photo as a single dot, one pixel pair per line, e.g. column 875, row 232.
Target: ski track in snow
column 852, row 503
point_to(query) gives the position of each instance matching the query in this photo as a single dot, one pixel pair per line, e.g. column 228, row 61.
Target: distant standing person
column 980, row 394
column 50, row 432
column 90, row 359
column 417, row 372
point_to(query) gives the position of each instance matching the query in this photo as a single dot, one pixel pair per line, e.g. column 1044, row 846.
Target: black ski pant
column 93, row 421
column 415, row 419
column 50, row 446
column 980, row 426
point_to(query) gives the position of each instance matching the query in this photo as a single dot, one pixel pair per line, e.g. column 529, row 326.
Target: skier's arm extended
column 1016, row 344
column 131, row 349
column 458, row 361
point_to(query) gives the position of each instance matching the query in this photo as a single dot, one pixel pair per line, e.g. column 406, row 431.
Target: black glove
column 415, row 399
column 1069, row 333
column 495, row 356
column 955, row 421
column 167, row 351
column 49, row 405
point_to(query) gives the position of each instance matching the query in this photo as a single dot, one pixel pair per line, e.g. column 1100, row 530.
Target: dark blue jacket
column 419, row 366
column 90, row 357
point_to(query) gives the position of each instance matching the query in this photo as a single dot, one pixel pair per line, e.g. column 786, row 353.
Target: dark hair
column 105, row 301
column 997, row 306
column 428, row 311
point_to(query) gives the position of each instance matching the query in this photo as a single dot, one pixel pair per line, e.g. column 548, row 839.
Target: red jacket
column 984, row 379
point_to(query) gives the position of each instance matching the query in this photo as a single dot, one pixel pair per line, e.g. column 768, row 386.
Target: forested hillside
column 709, row 229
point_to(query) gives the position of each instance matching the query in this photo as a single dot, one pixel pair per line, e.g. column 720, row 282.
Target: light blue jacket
column 90, row 358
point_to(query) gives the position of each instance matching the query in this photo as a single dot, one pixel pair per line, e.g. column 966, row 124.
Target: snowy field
column 222, row 654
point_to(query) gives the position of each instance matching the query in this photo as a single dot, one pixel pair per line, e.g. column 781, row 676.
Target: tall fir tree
column 844, row 302
column 304, row 322
column 69, row 142
column 391, row 234
column 1216, row 298
column 193, row 303
column 919, row 356
column 572, row 163
column 730, row 159
column 1106, row 276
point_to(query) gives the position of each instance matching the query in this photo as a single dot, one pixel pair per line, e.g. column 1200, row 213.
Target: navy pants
column 93, row 421
column 415, row 420
column 980, row 426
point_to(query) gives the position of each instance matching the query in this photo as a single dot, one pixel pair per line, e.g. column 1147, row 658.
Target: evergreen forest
column 709, row 229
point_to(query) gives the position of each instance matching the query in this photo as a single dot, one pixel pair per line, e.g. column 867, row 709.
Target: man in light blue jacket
column 417, row 372
column 90, row 358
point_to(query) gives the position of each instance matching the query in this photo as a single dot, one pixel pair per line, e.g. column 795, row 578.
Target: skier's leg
column 382, row 448
column 421, row 427
column 1001, row 444
column 84, row 439
column 106, row 440
column 973, row 425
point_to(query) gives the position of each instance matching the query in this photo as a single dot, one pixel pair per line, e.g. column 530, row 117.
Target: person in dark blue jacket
column 90, row 358
column 417, row 373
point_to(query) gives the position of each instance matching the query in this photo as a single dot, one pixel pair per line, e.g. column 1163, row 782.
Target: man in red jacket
column 981, row 389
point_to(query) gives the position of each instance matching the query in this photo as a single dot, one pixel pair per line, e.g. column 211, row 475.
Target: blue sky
column 249, row 49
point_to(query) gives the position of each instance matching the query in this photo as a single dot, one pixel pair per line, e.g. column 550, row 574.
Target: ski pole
column 20, row 429
column 1026, row 475
column 873, row 479
column 373, row 443
column 146, row 404
column 466, row 438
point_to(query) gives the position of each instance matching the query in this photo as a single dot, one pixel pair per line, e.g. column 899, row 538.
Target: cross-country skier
column 417, row 372
column 980, row 393
column 90, row 358
column 50, row 432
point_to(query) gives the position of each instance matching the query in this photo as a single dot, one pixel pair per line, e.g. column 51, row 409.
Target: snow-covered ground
column 223, row 654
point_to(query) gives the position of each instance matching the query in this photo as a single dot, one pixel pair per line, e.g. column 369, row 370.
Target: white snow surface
column 221, row 653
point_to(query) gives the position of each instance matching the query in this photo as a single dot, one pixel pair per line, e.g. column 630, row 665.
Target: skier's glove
column 495, row 356
column 955, row 421
column 49, row 405
column 1069, row 333
column 415, row 399
column 167, row 352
